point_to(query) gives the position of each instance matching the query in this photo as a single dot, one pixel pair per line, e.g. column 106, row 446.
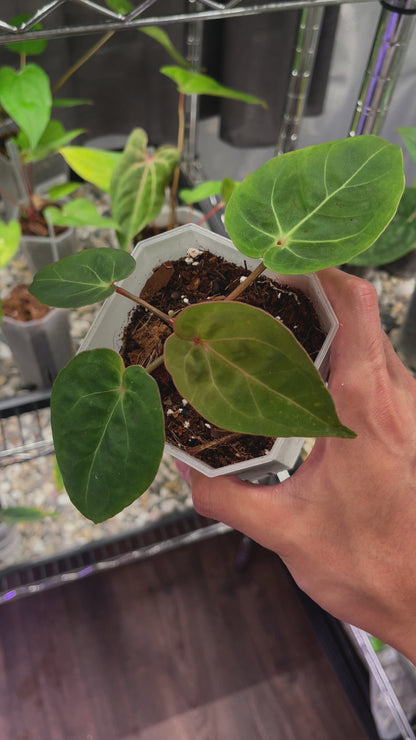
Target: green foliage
column 82, row 278
column 111, row 443
column 93, row 165
column 78, row 212
column 225, row 188
column 224, row 352
column 9, row 241
column 53, row 138
column 29, row 48
column 399, row 237
column 138, row 184
column 409, row 137
column 14, row 514
column 26, row 97
column 159, row 35
column 195, row 83
column 318, row 206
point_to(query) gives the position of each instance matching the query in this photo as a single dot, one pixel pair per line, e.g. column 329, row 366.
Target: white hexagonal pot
column 107, row 330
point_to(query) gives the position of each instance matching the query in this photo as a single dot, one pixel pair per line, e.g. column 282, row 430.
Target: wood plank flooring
column 180, row 647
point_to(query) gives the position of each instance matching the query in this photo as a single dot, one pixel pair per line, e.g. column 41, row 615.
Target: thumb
column 266, row 514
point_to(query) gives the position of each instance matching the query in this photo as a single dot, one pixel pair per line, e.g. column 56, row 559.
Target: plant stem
column 162, row 316
column 153, row 365
column 242, row 286
column 175, row 180
column 210, row 213
column 9, row 198
column 85, row 57
column 214, row 443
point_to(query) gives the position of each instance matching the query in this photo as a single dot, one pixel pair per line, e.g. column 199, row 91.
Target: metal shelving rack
column 391, row 38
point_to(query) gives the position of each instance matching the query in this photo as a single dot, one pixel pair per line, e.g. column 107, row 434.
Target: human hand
column 345, row 522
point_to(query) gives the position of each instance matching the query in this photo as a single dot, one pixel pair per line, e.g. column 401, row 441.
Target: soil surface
column 199, row 277
column 20, row 305
column 32, row 221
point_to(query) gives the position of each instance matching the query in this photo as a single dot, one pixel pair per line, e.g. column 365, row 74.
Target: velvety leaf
column 29, row 48
column 9, row 241
column 78, row 212
column 245, row 372
column 93, row 165
column 82, row 278
column 159, row 35
column 108, row 431
column 399, row 237
column 316, row 207
column 409, row 137
column 26, row 97
column 138, row 184
column 200, row 192
column 194, row 83
column 14, row 514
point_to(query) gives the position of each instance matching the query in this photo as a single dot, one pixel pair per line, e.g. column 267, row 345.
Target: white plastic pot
column 107, row 330
column 41, row 348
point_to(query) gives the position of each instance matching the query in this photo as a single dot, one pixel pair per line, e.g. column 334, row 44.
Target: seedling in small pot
column 238, row 366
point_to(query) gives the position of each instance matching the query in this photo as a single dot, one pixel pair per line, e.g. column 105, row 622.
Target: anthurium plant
column 238, row 366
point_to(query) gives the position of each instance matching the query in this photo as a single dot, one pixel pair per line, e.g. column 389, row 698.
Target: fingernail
column 184, row 470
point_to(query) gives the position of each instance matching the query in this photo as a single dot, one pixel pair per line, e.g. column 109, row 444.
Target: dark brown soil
column 32, row 221
column 22, row 306
column 172, row 287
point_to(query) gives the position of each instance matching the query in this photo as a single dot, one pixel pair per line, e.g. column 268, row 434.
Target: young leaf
column 60, row 191
column 69, row 102
column 108, row 431
column 26, row 97
column 244, row 371
column 199, row 192
column 120, row 6
column 78, row 212
column 138, row 184
column 82, row 278
column 9, row 241
column 399, row 237
column 29, row 48
column 53, row 138
column 159, row 35
column 409, row 137
column 316, row 207
column 93, row 165
column 194, row 83
column 14, row 514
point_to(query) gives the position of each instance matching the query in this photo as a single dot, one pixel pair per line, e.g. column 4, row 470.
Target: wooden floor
column 180, row 647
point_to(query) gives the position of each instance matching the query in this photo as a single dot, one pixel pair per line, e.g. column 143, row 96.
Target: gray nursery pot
column 107, row 330
column 41, row 348
column 40, row 251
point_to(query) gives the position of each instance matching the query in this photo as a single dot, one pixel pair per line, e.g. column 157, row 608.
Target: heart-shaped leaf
column 30, row 48
column 316, row 207
column 244, row 371
column 194, row 83
column 78, row 212
column 93, row 165
column 53, row 138
column 26, row 97
column 138, row 184
column 399, row 237
column 9, row 241
column 108, row 431
column 82, row 278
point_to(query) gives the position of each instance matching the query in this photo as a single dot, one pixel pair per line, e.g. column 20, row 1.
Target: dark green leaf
column 245, row 372
column 194, row 83
column 108, row 431
column 138, row 184
column 93, row 165
column 78, row 212
column 317, row 207
column 27, row 98
column 159, row 35
column 82, row 278
column 399, row 237
column 30, row 48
